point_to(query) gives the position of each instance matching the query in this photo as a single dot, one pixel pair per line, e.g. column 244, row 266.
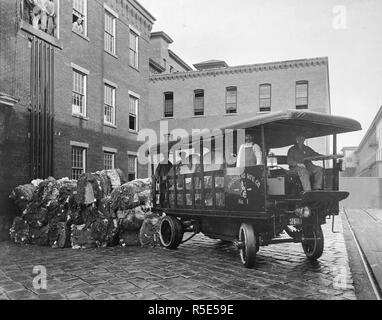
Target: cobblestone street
column 200, row 269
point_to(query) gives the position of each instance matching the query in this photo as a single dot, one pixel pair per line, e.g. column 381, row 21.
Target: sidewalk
column 366, row 228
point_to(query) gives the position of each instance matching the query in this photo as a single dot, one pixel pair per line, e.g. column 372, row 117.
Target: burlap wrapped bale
column 36, row 216
column 105, row 208
column 47, row 193
column 23, row 195
column 129, row 239
column 81, row 238
column 39, row 236
column 59, row 235
column 89, row 189
column 92, row 187
column 131, row 195
column 149, row 232
column 89, row 215
column 19, row 232
column 131, row 220
column 105, row 232
column 117, row 178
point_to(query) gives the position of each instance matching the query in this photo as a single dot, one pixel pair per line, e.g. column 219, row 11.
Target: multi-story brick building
column 73, row 77
column 162, row 58
column 216, row 94
column 368, row 155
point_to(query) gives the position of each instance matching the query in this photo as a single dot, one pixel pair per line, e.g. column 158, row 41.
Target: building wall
column 90, row 55
column 247, row 79
column 14, row 121
column 15, row 80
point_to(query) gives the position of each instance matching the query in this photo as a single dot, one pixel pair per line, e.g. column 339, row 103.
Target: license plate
column 295, row 221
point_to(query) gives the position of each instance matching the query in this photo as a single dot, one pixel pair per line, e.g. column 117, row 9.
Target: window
column 42, row 15
column 265, row 97
column 108, row 160
column 132, row 167
column 231, row 100
column 109, row 32
column 302, row 88
column 79, row 17
column 133, row 113
column 109, row 112
column 199, row 103
column 134, row 49
column 168, row 104
column 79, row 93
column 78, row 161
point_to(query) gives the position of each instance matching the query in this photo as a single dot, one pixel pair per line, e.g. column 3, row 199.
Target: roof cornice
column 370, row 130
column 161, row 34
column 143, row 10
column 173, row 55
column 273, row 66
column 156, row 65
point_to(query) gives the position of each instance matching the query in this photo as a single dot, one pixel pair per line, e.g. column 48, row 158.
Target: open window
column 42, row 15
column 79, row 17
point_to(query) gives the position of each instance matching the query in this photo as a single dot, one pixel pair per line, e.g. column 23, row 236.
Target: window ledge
column 133, row 131
column 110, row 125
column 168, row 118
column 7, row 100
column 112, row 54
column 231, row 114
column 80, row 116
column 264, row 112
column 41, row 34
column 196, row 117
column 81, row 35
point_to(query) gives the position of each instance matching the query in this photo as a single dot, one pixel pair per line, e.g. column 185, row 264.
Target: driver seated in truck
column 305, row 169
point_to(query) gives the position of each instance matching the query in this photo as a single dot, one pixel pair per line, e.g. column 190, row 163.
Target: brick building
column 216, row 94
column 162, row 58
column 74, row 89
column 368, row 155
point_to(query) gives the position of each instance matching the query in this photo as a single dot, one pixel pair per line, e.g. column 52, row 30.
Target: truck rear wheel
column 249, row 245
column 314, row 244
column 171, row 232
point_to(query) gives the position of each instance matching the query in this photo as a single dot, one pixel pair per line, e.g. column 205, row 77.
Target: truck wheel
column 314, row 245
column 171, row 232
column 249, row 245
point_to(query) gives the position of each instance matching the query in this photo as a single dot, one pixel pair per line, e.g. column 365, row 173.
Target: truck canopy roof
column 281, row 128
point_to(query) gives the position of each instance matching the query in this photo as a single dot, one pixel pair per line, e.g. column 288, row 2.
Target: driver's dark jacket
column 297, row 155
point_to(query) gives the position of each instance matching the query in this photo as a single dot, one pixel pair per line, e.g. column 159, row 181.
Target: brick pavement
column 200, row 269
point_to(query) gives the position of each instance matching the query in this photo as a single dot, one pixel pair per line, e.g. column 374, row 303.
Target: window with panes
column 302, row 99
column 168, row 104
column 109, row 109
column 132, row 167
column 108, row 160
column 110, row 32
column 199, row 103
column 78, row 162
column 265, row 96
column 79, row 93
column 134, row 50
column 133, row 113
column 231, row 100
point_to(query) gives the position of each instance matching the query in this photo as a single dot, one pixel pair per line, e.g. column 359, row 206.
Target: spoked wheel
column 249, row 245
column 314, row 244
column 171, row 232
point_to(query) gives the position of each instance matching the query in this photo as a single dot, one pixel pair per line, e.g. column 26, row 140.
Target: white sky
column 240, row 32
